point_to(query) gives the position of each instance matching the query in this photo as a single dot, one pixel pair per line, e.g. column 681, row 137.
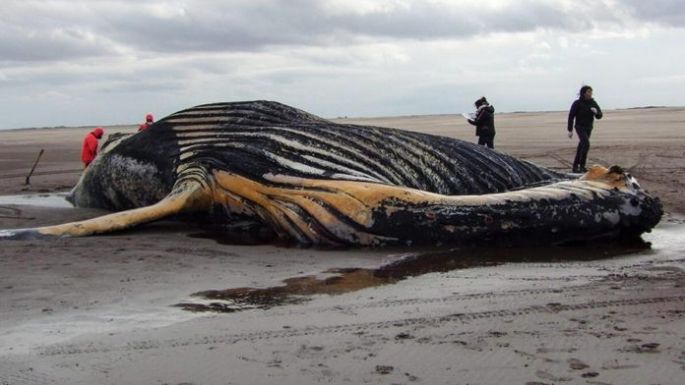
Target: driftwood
column 28, row 177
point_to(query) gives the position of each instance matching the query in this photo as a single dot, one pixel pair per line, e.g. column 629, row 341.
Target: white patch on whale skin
column 137, row 178
column 612, row 216
column 632, row 184
column 130, row 165
column 628, row 209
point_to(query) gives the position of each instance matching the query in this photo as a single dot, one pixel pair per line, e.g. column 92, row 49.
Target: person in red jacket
column 90, row 146
column 149, row 119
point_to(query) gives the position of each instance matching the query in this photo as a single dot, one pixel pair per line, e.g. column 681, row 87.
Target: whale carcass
column 313, row 181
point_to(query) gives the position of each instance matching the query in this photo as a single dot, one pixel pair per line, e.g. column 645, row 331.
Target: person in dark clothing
column 584, row 110
column 484, row 120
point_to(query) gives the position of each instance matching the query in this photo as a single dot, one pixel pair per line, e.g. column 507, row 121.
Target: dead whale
column 314, row 181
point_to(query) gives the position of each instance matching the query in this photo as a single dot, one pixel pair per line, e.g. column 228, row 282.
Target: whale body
column 313, row 181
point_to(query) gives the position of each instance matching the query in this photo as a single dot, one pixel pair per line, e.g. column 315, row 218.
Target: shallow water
column 42, row 200
column 666, row 241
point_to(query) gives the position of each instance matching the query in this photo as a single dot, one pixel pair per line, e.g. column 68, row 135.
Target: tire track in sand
column 143, row 345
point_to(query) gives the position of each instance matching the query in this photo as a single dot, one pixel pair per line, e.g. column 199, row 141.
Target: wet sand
column 168, row 304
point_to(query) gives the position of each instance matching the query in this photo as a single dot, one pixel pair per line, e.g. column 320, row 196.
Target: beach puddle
column 42, row 200
column 669, row 237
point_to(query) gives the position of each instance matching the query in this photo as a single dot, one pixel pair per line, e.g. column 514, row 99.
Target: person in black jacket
column 584, row 110
column 484, row 120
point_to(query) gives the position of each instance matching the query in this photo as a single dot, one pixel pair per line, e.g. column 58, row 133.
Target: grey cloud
column 255, row 25
column 57, row 44
column 141, row 88
column 234, row 26
column 43, row 31
column 98, row 77
column 68, row 30
column 424, row 20
column 667, row 12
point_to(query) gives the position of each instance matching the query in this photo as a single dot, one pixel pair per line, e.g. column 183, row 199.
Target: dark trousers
column 583, row 147
column 487, row 141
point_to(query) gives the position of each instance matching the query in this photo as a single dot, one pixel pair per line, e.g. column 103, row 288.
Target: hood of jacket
column 487, row 107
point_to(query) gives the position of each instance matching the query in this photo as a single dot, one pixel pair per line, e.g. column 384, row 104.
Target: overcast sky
column 110, row 62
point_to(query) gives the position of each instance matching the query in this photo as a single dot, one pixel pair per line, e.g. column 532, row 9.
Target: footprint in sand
column 577, row 364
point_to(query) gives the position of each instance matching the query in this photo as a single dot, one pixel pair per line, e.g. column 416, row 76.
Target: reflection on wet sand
column 43, row 200
column 414, row 263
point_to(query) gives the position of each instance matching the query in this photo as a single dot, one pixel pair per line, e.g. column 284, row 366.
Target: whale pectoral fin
column 182, row 198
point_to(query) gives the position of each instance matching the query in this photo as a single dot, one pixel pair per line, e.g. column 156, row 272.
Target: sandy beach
column 172, row 304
